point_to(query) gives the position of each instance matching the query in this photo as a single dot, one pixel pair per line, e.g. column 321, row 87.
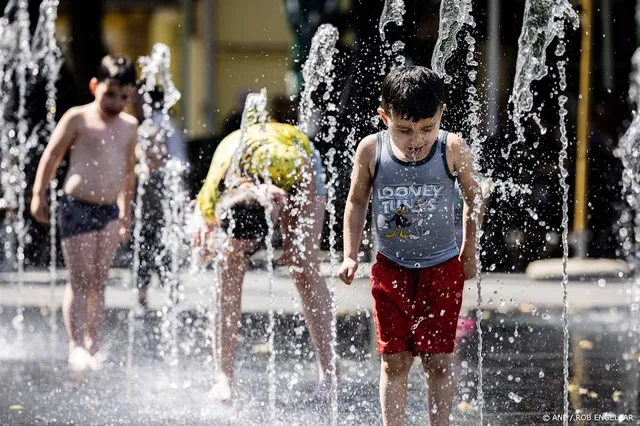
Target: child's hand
column 468, row 265
column 203, row 241
column 124, row 232
column 348, row 271
column 40, row 208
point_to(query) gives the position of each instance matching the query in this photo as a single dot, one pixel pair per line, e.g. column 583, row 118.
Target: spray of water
column 393, row 11
column 8, row 59
column 473, row 122
column 628, row 152
column 317, row 69
column 48, row 58
column 254, row 113
column 322, row 52
column 543, row 22
column 453, row 15
column 562, row 112
column 271, row 328
column 24, row 143
column 155, row 71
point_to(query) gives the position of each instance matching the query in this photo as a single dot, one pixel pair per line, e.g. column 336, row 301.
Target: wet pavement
column 159, row 371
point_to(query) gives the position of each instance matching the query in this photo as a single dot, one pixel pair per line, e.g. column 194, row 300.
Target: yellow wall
column 253, row 45
column 251, row 22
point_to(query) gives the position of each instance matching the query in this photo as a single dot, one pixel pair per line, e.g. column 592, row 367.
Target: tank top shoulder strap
column 442, row 141
column 379, row 148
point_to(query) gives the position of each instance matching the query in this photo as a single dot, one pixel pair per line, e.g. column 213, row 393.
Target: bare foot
column 97, row 360
column 79, row 359
column 90, row 345
column 221, row 391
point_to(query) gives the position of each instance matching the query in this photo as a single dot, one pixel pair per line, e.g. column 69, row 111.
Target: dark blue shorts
column 78, row 217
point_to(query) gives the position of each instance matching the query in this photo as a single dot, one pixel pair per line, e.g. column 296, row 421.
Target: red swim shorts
column 416, row 310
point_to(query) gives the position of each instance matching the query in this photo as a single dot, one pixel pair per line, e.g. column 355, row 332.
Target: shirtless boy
column 94, row 212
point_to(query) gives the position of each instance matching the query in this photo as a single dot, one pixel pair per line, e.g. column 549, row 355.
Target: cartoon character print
column 398, row 222
column 422, row 208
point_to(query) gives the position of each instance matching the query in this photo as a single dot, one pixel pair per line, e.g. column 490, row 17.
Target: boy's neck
column 103, row 115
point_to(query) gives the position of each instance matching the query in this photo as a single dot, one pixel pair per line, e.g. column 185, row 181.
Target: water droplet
column 514, row 397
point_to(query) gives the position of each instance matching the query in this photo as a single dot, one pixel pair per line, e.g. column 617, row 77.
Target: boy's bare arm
column 59, row 143
column 61, row 139
column 356, row 207
column 469, row 182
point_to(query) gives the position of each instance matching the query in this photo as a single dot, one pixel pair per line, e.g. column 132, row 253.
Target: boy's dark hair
column 117, row 68
column 412, row 93
column 249, row 217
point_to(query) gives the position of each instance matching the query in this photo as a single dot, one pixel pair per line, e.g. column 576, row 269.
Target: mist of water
column 155, row 72
column 317, row 69
column 454, row 14
column 47, row 58
column 562, row 112
column 543, row 21
column 393, row 11
column 629, row 153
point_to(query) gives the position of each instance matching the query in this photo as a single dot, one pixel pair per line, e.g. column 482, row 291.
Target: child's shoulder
column 455, row 143
column 128, row 119
column 76, row 111
column 368, row 143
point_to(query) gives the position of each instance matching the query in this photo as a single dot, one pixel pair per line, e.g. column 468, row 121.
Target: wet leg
column 393, row 387
column 440, row 386
column 79, row 255
column 226, row 321
column 108, row 240
column 314, row 294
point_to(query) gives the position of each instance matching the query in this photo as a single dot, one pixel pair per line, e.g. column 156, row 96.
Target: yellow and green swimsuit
column 284, row 145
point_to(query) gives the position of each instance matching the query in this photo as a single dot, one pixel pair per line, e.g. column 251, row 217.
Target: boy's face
column 413, row 138
column 112, row 98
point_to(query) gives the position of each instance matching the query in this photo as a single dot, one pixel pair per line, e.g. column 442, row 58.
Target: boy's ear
column 93, row 83
column 384, row 116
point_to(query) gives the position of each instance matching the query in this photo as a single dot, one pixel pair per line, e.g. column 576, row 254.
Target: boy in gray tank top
column 409, row 172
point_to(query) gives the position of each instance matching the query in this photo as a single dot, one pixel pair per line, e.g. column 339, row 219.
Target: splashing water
column 393, row 11
column 155, row 71
column 543, row 22
column 473, row 122
column 317, row 69
column 453, row 15
column 329, row 138
column 255, row 111
column 24, row 143
column 8, row 43
column 48, row 56
column 627, row 151
column 562, row 112
column 271, row 328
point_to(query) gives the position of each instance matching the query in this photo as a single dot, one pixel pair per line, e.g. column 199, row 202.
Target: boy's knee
column 397, row 365
column 438, row 364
